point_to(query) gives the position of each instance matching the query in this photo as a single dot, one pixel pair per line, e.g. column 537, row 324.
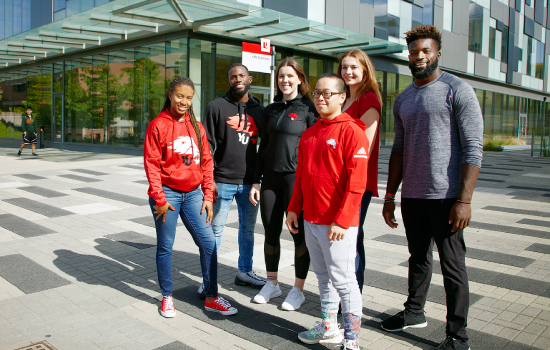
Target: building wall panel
column 351, row 15
column 335, row 13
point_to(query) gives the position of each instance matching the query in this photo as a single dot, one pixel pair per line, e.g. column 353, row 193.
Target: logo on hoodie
column 331, row 143
column 188, row 149
column 237, row 122
column 293, row 116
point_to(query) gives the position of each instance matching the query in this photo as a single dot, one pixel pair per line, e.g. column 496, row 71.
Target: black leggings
column 275, row 196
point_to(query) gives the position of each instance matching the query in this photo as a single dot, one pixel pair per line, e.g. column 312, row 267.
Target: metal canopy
column 122, row 20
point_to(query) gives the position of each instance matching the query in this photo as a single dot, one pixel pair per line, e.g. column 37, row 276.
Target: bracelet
column 459, row 201
column 390, row 194
column 389, row 198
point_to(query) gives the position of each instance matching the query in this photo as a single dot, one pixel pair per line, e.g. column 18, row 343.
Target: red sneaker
column 221, row 306
column 167, row 307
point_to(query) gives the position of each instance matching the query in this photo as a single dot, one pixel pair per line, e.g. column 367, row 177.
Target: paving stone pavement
column 77, row 264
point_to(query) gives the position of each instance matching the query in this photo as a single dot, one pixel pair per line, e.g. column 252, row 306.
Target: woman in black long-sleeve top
column 284, row 121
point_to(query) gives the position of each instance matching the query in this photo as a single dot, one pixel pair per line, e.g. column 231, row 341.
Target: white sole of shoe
column 168, row 314
column 288, row 307
column 420, row 325
column 263, row 301
column 334, row 340
column 225, row 313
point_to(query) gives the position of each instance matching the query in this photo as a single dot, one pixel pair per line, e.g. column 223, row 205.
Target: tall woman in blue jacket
column 284, row 121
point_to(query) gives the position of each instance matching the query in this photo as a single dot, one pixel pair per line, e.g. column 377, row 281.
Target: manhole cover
column 38, row 346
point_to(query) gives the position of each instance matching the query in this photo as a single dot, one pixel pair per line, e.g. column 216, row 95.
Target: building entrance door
column 57, row 117
column 522, row 127
column 262, row 93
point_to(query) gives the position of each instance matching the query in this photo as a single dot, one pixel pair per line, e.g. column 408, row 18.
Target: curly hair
column 424, row 32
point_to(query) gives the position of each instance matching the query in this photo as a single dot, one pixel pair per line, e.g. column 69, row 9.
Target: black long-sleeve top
column 282, row 126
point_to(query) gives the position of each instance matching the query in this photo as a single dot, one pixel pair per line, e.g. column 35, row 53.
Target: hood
column 279, row 98
column 342, row 118
column 167, row 115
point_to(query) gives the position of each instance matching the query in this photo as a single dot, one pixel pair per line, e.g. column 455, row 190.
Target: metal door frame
column 54, row 129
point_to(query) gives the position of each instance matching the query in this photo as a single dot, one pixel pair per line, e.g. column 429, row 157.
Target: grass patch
column 495, row 143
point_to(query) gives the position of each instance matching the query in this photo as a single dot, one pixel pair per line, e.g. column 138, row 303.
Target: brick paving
column 77, row 264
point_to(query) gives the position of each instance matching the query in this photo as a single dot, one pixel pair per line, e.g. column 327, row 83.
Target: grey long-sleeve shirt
column 438, row 127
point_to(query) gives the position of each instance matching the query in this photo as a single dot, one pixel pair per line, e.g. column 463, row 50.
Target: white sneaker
column 350, row 345
column 201, row 288
column 268, row 291
column 319, row 334
column 294, row 300
column 249, row 279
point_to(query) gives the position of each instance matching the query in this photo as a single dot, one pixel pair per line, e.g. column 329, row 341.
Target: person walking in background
column 330, row 181
column 363, row 101
column 28, row 125
column 437, row 153
column 178, row 165
column 283, row 123
column 231, row 128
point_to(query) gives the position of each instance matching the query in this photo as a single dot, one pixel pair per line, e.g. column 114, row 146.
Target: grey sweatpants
column 334, row 264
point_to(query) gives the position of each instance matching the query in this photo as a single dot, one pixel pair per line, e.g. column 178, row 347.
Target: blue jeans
column 247, row 220
column 360, row 257
column 188, row 206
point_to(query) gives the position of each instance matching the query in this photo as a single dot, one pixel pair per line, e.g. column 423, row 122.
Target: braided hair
column 177, row 81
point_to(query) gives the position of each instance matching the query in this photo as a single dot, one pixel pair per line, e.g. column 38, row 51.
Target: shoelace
column 168, row 304
column 294, row 294
column 222, row 302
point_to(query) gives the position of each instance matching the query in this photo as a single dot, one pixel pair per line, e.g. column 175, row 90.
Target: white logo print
column 185, row 145
column 332, row 143
column 361, row 153
column 243, row 139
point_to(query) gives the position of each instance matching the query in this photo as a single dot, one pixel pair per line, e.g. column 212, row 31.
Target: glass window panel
column 393, row 26
column 416, row 16
column 176, row 59
column 448, row 15
column 122, row 129
column 17, row 10
column 427, row 13
column 488, row 113
column 539, row 62
column 78, row 109
column 368, row 2
column 475, row 28
column 380, row 13
column 149, row 85
column 25, row 15
column 391, row 93
column 504, row 47
column 40, row 98
column 59, row 5
column 8, row 18
column 99, row 93
column 492, row 42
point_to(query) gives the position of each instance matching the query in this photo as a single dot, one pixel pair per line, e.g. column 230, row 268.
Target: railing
column 540, row 142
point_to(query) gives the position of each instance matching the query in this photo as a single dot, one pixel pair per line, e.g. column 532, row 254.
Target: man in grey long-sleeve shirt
column 437, row 154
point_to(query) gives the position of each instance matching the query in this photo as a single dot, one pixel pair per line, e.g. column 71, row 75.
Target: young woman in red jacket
column 363, row 101
column 179, row 168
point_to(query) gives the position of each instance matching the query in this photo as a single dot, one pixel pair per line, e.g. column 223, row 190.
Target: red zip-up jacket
column 331, row 175
column 171, row 158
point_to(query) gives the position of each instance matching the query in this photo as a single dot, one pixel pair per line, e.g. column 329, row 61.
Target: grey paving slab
column 134, row 239
column 142, row 182
column 511, row 229
column 398, row 284
column 530, row 188
column 259, row 228
column 484, row 172
column 511, row 282
column 30, row 176
column 44, row 192
column 79, row 178
column 491, row 167
column 22, row 227
column 131, row 166
column 113, row 195
column 545, row 198
column 175, row 346
column 535, row 222
column 473, row 253
column 38, row 207
column 518, row 211
column 89, row 172
column 522, row 165
column 28, row 276
column 539, row 248
column 489, row 180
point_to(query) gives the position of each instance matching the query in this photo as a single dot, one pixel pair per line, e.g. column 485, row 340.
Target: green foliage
column 492, row 146
column 495, row 143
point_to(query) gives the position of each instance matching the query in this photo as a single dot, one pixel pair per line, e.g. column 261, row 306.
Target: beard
column 426, row 72
column 239, row 93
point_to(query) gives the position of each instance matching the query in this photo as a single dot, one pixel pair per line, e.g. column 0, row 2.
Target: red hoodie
column 171, row 157
column 331, row 172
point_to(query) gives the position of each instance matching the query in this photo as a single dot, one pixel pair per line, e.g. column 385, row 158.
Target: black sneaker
column 451, row 343
column 19, row 153
column 403, row 320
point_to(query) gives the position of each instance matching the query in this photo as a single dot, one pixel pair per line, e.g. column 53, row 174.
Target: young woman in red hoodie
column 179, row 168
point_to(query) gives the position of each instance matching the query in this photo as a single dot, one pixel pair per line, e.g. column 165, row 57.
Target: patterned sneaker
column 268, row 291
column 451, row 343
column 220, row 305
column 167, row 307
column 294, row 300
column 319, row 334
column 348, row 344
column 249, row 279
column 403, row 320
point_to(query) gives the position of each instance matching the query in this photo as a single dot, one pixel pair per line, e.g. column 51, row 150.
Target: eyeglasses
column 326, row 94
